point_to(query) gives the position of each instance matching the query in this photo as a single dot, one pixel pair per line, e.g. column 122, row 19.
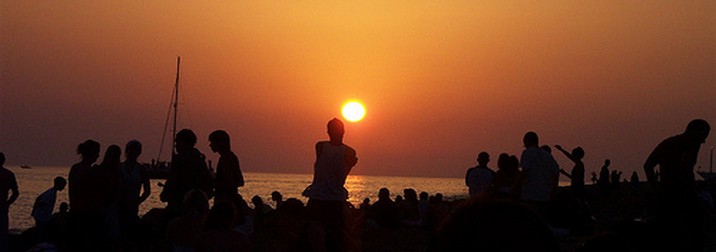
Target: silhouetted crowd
column 519, row 207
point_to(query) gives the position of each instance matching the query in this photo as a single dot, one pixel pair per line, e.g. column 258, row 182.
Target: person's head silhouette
column 219, row 141
column 483, row 158
column 578, row 152
column 698, row 130
column 335, row 130
column 185, row 140
column 59, row 183
column 112, row 155
column 133, row 149
column 384, row 194
column 89, row 150
column 530, row 139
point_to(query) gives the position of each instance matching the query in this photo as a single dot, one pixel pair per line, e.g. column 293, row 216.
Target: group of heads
column 89, row 150
column 219, row 140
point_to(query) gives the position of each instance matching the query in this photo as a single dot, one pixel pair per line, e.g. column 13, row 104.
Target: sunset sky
column 441, row 80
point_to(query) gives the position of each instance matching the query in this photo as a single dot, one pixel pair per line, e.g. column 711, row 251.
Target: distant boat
column 25, row 167
column 160, row 169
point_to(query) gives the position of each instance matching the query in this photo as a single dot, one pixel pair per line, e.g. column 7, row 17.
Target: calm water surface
column 33, row 182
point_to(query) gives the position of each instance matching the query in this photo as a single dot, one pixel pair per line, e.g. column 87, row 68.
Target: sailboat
column 160, row 169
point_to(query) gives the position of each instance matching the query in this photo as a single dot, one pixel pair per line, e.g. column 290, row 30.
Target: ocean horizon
column 35, row 180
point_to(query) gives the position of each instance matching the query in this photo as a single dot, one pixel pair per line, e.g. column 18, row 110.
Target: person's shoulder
column 349, row 149
column 6, row 172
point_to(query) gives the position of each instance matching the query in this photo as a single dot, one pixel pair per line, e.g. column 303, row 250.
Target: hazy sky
column 441, row 80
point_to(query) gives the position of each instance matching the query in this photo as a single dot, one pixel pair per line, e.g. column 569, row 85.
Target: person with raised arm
column 577, row 175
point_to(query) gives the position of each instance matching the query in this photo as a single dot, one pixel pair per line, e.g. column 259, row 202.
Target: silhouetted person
column 594, row 178
column 261, row 210
column 58, row 229
column 327, row 195
column 577, row 175
column 365, row 205
column 679, row 215
column 277, row 198
column 45, row 204
column 603, row 182
column 616, row 176
column 384, row 211
column 479, row 178
column 135, row 189
column 507, row 176
column 188, row 171
column 218, row 234
column 555, row 177
column 634, row 180
column 109, row 190
column 539, row 171
column 182, row 232
column 409, row 208
column 85, row 219
column 228, row 172
column 8, row 183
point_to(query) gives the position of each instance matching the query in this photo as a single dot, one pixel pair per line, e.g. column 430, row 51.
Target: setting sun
column 353, row 111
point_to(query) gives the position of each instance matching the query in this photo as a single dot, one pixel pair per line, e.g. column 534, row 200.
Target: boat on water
column 158, row 169
column 25, row 167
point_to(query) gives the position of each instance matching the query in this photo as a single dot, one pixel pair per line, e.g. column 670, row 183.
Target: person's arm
column 565, row 173
column 650, row 164
column 239, row 175
column 569, row 155
column 146, row 187
column 15, row 191
column 318, row 150
column 467, row 175
column 351, row 158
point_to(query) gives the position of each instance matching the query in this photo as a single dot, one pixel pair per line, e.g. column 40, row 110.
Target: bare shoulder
column 350, row 150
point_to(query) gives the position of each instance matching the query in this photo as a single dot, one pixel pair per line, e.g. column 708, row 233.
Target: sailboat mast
column 176, row 101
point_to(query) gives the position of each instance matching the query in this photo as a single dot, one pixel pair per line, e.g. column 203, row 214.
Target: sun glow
column 353, row 111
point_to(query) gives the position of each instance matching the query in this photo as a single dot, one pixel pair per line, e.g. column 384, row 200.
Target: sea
column 33, row 181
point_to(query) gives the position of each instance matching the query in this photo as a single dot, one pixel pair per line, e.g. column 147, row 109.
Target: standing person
column 479, row 178
column 228, row 172
column 188, row 171
column 277, row 198
column 327, row 195
column 507, row 175
column 84, row 218
column 603, row 182
column 135, row 180
column 7, row 183
column 109, row 190
column 45, row 204
column 577, row 175
column 538, row 174
column 679, row 216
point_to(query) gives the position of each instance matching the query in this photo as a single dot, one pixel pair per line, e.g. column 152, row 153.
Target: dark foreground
column 614, row 221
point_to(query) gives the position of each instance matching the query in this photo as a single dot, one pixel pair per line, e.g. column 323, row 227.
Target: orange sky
column 441, row 81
